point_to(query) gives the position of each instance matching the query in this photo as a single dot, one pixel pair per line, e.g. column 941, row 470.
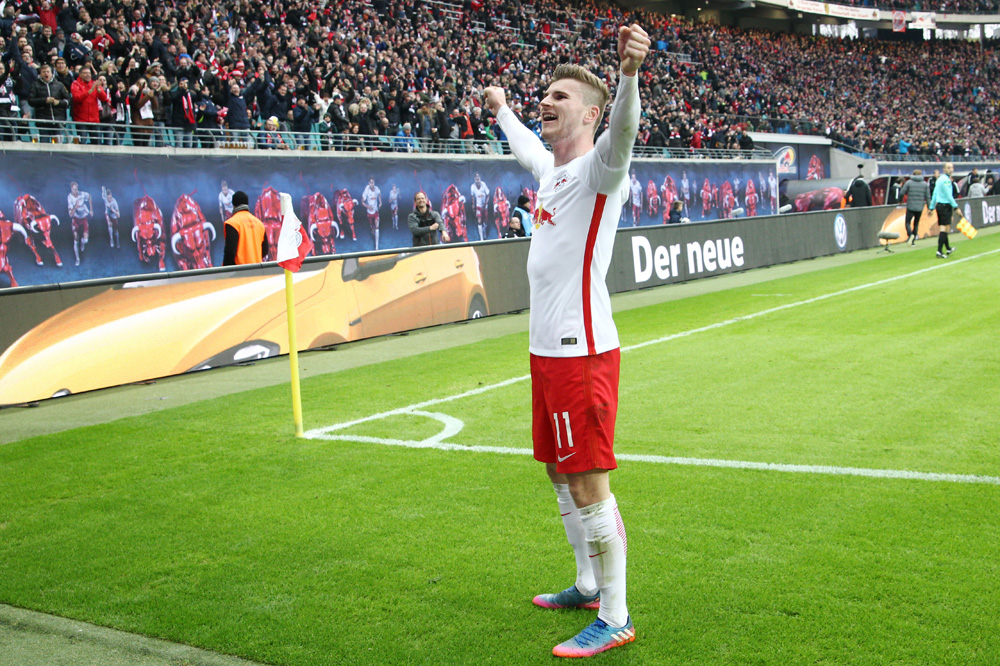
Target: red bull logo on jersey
column 785, row 157
column 543, row 216
column 559, row 183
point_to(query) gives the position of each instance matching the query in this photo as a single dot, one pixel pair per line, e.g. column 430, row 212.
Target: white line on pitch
column 433, row 443
column 796, row 304
column 450, row 428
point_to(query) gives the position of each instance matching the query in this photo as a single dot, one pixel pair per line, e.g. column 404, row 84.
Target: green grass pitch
column 210, row 525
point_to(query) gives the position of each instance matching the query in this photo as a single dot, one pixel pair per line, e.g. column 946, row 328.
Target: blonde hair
column 596, row 91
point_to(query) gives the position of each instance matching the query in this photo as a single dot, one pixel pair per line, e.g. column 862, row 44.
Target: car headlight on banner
column 251, row 350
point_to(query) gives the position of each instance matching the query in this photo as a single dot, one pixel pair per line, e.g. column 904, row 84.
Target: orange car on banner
column 896, row 221
column 144, row 330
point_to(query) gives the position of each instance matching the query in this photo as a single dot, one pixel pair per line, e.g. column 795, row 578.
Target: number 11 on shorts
column 569, row 430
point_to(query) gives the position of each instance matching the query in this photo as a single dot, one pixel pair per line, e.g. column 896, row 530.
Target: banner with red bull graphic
column 75, row 338
column 136, row 214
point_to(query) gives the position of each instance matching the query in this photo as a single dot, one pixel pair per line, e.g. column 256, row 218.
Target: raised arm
column 615, row 145
column 526, row 146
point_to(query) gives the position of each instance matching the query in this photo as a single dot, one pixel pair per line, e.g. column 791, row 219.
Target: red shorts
column 574, row 402
column 81, row 225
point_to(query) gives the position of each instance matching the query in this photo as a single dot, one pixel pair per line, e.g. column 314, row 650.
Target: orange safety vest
column 251, row 232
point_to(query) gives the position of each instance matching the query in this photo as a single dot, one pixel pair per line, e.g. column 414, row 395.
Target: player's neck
column 569, row 149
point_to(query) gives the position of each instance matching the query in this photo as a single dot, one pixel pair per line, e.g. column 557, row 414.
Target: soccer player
column 81, row 209
column 372, row 199
column 225, row 202
column 685, row 189
column 772, row 187
column 636, row 188
column 112, row 213
column 573, row 342
column 480, row 196
column 394, row 205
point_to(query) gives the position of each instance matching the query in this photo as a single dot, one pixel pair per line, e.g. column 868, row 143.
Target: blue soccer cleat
column 571, row 597
column 596, row 638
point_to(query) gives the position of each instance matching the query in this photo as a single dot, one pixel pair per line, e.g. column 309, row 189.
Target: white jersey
column 636, row 192
column 576, row 218
column 370, row 198
column 111, row 208
column 226, row 203
column 480, row 194
column 79, row 204
column 394, row 199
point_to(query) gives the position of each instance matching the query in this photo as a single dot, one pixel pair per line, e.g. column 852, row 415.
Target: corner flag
column 293, row 244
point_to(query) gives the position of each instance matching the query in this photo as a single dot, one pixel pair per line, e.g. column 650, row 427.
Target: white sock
column 608, row 546
column 574, row 533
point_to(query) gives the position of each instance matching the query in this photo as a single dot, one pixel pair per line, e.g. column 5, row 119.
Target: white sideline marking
column 437, row 442
column 796, row 304
column 452, row 426
column 816, row 469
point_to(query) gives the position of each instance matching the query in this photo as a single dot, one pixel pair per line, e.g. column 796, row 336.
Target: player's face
column 564, row 110
column 420, row 201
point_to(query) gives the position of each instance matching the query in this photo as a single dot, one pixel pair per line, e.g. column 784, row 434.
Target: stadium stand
column 353, row 75
column 940, row 6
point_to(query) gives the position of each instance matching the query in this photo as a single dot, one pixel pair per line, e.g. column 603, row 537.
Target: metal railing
column 158, row 136
column 916, row 6
column 703, row 153
column 933, row 157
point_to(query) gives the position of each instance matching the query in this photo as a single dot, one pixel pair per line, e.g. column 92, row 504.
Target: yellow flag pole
column 293, row 354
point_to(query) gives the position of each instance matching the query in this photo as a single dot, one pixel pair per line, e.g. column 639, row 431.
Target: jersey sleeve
column 526, row 146
column 609, row 162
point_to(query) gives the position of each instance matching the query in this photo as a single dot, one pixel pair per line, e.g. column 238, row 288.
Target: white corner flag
column 293, row 244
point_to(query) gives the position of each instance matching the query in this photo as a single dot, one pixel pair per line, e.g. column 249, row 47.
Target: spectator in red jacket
column 85, row 93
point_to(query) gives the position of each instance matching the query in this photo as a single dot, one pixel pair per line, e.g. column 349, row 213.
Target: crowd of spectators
column 400, row 75
column 936, row 6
